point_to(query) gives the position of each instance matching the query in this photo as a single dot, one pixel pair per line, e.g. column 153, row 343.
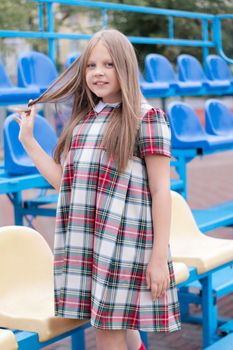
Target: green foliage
column 23, row 15
column 19, row 15
column 138, row 24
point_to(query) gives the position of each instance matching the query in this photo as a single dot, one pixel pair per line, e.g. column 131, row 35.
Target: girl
column 112, row 170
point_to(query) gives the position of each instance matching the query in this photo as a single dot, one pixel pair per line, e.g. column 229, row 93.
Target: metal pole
column 50, row 24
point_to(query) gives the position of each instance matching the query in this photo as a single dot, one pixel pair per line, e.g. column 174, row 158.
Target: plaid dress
column 104, row 234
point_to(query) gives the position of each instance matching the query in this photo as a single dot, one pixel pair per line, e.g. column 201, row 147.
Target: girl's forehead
column 99, row 50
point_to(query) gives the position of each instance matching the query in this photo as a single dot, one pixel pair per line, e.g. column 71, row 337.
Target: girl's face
column 101, row 75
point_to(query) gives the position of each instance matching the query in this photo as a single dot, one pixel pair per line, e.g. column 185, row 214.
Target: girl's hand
column 157, row 277
column 26, row 123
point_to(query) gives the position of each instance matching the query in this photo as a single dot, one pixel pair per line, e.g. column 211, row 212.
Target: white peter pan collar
column 101, row 105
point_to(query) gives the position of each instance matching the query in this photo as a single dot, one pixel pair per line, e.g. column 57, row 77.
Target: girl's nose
column 98, row 72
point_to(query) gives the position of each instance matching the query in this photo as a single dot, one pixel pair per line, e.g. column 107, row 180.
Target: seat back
column 26, row 262
column 183, row 224
column 5, row 81
column 16, row 160
column 219, row 119
column 71, row 58
column 186, row 129
column 217, row 68
column 158, row 68
column 35, row 68
column 190, row 69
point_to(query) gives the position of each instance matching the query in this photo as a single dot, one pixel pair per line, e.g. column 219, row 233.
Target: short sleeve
column 155, row 134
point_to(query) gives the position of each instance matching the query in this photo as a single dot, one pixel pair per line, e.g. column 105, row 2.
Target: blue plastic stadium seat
column 153, row 89
column 160, row 70
column 71, row 58
column 36, row 69
column 217, row 69
column 11, row 94
column 187, row 131
column 219, row 119
column 190, row 70
column 16, row 160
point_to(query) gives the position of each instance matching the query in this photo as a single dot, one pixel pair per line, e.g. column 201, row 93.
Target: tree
column 138, row 24
column 20, row 15
column 23, row 15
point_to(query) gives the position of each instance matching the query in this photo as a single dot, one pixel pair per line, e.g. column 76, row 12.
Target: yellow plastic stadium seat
column 7, row 340
column 26, row 286
column 181, row 272
column 192, row 247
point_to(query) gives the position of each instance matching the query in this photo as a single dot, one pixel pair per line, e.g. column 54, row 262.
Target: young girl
column 112, row 170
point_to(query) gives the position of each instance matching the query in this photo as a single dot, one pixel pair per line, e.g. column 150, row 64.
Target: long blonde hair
column 120, row 134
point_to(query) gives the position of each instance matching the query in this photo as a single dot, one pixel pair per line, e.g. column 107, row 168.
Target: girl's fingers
column 148, row 281
column 33, row 111
column 17, row 119
column 154, row 292
column 159, row 289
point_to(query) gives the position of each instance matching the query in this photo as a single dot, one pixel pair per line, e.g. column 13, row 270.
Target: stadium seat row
column 187, row 133
column 192, row 78
column 36, row 72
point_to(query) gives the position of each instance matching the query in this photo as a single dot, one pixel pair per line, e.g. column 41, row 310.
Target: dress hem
column 143, row 329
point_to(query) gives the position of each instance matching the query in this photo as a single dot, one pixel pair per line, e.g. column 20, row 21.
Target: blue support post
column 104, row 19
column 78, row 340
column 27, row 340
column 144, row 337
column 208, row 303
column 205, row 37
column 184, row 305
column 41, row 16
column 217, row 36
column 171, row 27
column 50, row 24
column 17, row 202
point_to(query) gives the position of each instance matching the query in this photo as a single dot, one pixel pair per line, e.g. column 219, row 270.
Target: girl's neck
column 110, row 102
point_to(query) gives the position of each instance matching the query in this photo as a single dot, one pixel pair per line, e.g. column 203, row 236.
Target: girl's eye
column 109, row 64
column 90, row 65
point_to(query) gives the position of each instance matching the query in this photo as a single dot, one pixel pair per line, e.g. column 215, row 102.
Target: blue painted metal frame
column 205, row 42
column 30, row 341
column 209, row 23
column 207, row 299
column 13, row 186
column 217, row 35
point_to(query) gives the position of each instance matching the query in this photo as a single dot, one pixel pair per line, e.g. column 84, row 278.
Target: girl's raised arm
column 44, row 163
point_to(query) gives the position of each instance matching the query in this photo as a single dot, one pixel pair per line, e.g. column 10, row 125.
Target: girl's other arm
column 44, row 163
column 158, row 169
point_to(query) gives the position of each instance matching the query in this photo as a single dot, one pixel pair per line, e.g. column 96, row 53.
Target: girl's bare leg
column 111, row 339
column 133, row 339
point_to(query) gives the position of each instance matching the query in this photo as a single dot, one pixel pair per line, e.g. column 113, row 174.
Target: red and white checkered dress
column 104, row 233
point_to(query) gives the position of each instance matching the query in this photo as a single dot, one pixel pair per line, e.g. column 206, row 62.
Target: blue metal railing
column 208, row 23
column 217, row 35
